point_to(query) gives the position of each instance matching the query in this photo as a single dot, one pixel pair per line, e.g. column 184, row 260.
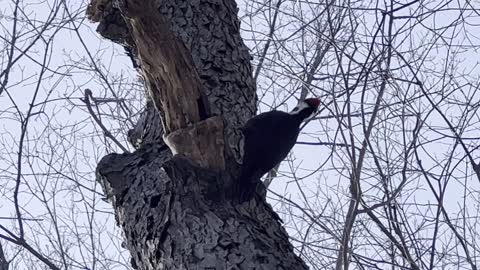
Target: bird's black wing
column 268, row 139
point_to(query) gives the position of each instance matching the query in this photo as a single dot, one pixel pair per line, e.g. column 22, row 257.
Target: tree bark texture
column 175, row 213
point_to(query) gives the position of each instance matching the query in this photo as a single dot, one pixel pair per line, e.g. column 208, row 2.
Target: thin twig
column 106, row 132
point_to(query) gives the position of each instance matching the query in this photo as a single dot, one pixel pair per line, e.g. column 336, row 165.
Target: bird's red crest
column 313, row 102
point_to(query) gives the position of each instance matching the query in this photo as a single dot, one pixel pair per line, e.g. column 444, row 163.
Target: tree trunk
column 176, row 211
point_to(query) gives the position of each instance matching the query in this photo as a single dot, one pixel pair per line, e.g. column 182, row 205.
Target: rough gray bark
column 175, row 214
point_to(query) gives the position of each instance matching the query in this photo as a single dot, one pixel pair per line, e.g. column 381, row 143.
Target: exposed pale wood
column 210, row 133
column 165, row 63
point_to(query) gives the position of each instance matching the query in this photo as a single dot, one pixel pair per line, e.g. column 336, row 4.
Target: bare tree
column 178, row 212
column 52, row 213
column 399, row 188
column 386, row 176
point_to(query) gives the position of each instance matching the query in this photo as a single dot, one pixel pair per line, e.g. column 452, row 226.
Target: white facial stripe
column 302, row 105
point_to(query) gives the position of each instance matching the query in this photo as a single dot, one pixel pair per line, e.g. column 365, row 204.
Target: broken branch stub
column 174, row 86
column 209, row 132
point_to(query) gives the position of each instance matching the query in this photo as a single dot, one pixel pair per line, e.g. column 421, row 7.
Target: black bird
column 269, row 137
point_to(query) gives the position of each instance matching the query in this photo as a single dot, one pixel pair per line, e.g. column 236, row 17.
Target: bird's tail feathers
column 245, row 188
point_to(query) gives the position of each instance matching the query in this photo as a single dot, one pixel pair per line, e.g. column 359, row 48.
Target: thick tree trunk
column 176, row 212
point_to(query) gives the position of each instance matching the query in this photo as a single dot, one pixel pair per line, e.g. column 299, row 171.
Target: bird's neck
column 302, row 115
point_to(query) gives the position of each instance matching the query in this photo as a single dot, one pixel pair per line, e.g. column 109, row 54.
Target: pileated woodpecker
column 269, row 137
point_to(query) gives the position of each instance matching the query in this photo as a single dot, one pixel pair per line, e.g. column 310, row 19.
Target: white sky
column 60, row 142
